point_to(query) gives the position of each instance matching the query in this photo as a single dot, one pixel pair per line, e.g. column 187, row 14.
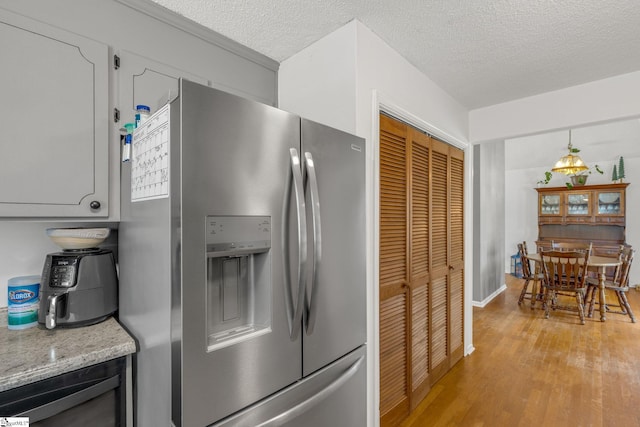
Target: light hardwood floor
column 530, row 371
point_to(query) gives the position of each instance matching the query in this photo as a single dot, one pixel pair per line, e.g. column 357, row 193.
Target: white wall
column 23, row 251
column 371, row 75
column 605, row 100
column 489, row 220
column 319, row 83
column 334, row 81
column 527, row 158
column 382, row 71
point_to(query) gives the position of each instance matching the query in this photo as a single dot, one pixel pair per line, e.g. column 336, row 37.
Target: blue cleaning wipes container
column 23, row 300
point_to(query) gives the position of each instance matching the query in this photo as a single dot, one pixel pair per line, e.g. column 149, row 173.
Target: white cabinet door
column 54, row 120
column 145, row 81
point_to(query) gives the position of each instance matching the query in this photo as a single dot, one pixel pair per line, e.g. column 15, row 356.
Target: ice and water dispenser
column 238, row 278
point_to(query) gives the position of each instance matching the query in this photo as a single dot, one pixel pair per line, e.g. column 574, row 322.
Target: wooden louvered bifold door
column 419, row 266
column 394, row 296
column 456, row 257
column 420, row 291
column 439, row 261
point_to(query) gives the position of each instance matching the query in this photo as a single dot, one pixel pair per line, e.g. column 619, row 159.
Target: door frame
column 382, row 103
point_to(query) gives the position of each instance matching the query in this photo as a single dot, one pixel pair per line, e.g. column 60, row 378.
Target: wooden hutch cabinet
column 594, row 213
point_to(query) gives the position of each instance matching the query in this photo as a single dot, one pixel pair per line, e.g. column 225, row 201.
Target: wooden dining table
column 598, row 263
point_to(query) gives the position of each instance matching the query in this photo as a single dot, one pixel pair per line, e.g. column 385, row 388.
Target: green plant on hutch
column 621, row 169
column 618, row 173
column 576, row 180
column 547, row 178
column 581, row 178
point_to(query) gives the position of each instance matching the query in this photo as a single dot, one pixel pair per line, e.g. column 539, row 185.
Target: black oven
column 92, row 396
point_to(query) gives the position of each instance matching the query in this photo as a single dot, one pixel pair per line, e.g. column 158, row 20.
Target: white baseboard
column 488, row 299
column 470, row 349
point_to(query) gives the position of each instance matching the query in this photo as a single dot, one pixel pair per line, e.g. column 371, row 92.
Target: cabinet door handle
column 94, row 205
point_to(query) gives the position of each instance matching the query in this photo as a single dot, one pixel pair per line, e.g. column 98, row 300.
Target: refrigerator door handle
column 294, row 179
column 312, row 401
column 310, row 177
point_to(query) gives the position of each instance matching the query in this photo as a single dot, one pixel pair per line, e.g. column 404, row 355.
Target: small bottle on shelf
column 142, row 114
column 126, row 147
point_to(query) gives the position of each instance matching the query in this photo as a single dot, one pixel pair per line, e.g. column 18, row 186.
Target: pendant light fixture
column 570, row 164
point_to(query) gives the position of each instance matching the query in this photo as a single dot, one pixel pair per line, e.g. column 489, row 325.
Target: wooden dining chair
column 618, row 284
column 529, row 276
column 564, row 274
column 544, row 245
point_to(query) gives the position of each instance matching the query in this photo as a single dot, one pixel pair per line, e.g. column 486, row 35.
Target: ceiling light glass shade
column 569, row 165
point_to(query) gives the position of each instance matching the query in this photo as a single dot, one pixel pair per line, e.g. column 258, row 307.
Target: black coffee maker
column 79, row 287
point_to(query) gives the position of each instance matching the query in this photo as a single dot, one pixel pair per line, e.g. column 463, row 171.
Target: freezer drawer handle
column 294, row 179
column 309, row 403
column 310, row 177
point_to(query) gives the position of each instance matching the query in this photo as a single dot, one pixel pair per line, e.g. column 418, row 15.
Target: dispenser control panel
column 228, row 235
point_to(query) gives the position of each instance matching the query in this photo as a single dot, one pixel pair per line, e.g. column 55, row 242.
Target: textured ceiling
column 482, row 52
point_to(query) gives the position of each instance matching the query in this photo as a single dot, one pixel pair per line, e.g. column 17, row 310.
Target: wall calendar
column 150, row 158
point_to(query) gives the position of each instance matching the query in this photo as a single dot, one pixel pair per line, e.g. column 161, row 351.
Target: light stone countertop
column 35, row 354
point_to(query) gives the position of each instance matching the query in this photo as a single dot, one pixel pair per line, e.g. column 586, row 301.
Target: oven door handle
column 57, row 406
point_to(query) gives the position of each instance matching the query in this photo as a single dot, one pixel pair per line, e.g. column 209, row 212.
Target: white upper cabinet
column 55, row 119
column 145, row 81
column 61, row 86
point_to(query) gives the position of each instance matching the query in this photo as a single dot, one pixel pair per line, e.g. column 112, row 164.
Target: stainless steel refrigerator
column 242, row 266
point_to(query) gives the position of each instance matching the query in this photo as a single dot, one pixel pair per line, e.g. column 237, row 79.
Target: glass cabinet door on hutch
column 610, row 203
column 609, row 206
column 550, row 205
column 550, row 208
column 578, row 206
